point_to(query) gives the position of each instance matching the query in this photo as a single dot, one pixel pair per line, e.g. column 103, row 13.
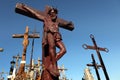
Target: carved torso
column 50, row 26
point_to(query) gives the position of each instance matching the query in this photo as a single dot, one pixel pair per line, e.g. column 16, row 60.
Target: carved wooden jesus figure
column 51, row 39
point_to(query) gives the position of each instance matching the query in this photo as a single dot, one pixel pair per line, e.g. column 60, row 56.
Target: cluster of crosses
column 47, row 73
column 21, row 75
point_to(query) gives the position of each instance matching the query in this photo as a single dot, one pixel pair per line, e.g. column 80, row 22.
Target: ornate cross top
column 62, row 23
column 95, row 47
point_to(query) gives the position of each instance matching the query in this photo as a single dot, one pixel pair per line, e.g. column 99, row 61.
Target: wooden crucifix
column 95, row 65
column 51, row 37
column 21, row 10
column 98, row 49
column 21, row 73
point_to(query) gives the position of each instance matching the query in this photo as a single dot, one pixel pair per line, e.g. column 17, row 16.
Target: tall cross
column 62, row 23
column 26, row 35
column 94, row 64
column 17, row 60
column 98, row 49
column 51, row 25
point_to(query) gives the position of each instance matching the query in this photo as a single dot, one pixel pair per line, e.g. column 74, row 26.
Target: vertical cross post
column 26, row 35
column 17, row 59
column 94, row 64
column 98, row 49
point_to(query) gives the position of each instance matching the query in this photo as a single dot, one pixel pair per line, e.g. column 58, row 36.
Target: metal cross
column 98, row 49
column 95, row 65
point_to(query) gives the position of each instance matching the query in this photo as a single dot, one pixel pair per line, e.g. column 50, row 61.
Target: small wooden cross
column 25, row 37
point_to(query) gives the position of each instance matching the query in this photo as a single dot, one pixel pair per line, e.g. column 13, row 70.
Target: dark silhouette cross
column 95, row 65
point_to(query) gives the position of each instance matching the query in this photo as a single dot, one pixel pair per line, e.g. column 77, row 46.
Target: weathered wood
column 51, row 37
column 62, row 23
column 29, row 36
column 21, row 74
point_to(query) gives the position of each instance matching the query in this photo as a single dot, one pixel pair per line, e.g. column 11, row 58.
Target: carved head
column 53, row 13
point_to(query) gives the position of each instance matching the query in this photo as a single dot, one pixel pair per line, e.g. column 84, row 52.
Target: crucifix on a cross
column 25, row 36
column 98, row 49
column 20, row 8
column 51, row 37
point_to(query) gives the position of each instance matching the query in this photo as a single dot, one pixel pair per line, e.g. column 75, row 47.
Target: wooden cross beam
column 94, row 64
column 62, row 23
column 25, row 44
column 98, row 49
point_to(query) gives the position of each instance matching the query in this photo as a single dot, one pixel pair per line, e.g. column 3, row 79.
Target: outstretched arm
column 32, row 11
column 65, row 24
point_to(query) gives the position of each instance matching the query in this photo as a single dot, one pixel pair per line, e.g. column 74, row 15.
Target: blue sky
column 98, row 17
